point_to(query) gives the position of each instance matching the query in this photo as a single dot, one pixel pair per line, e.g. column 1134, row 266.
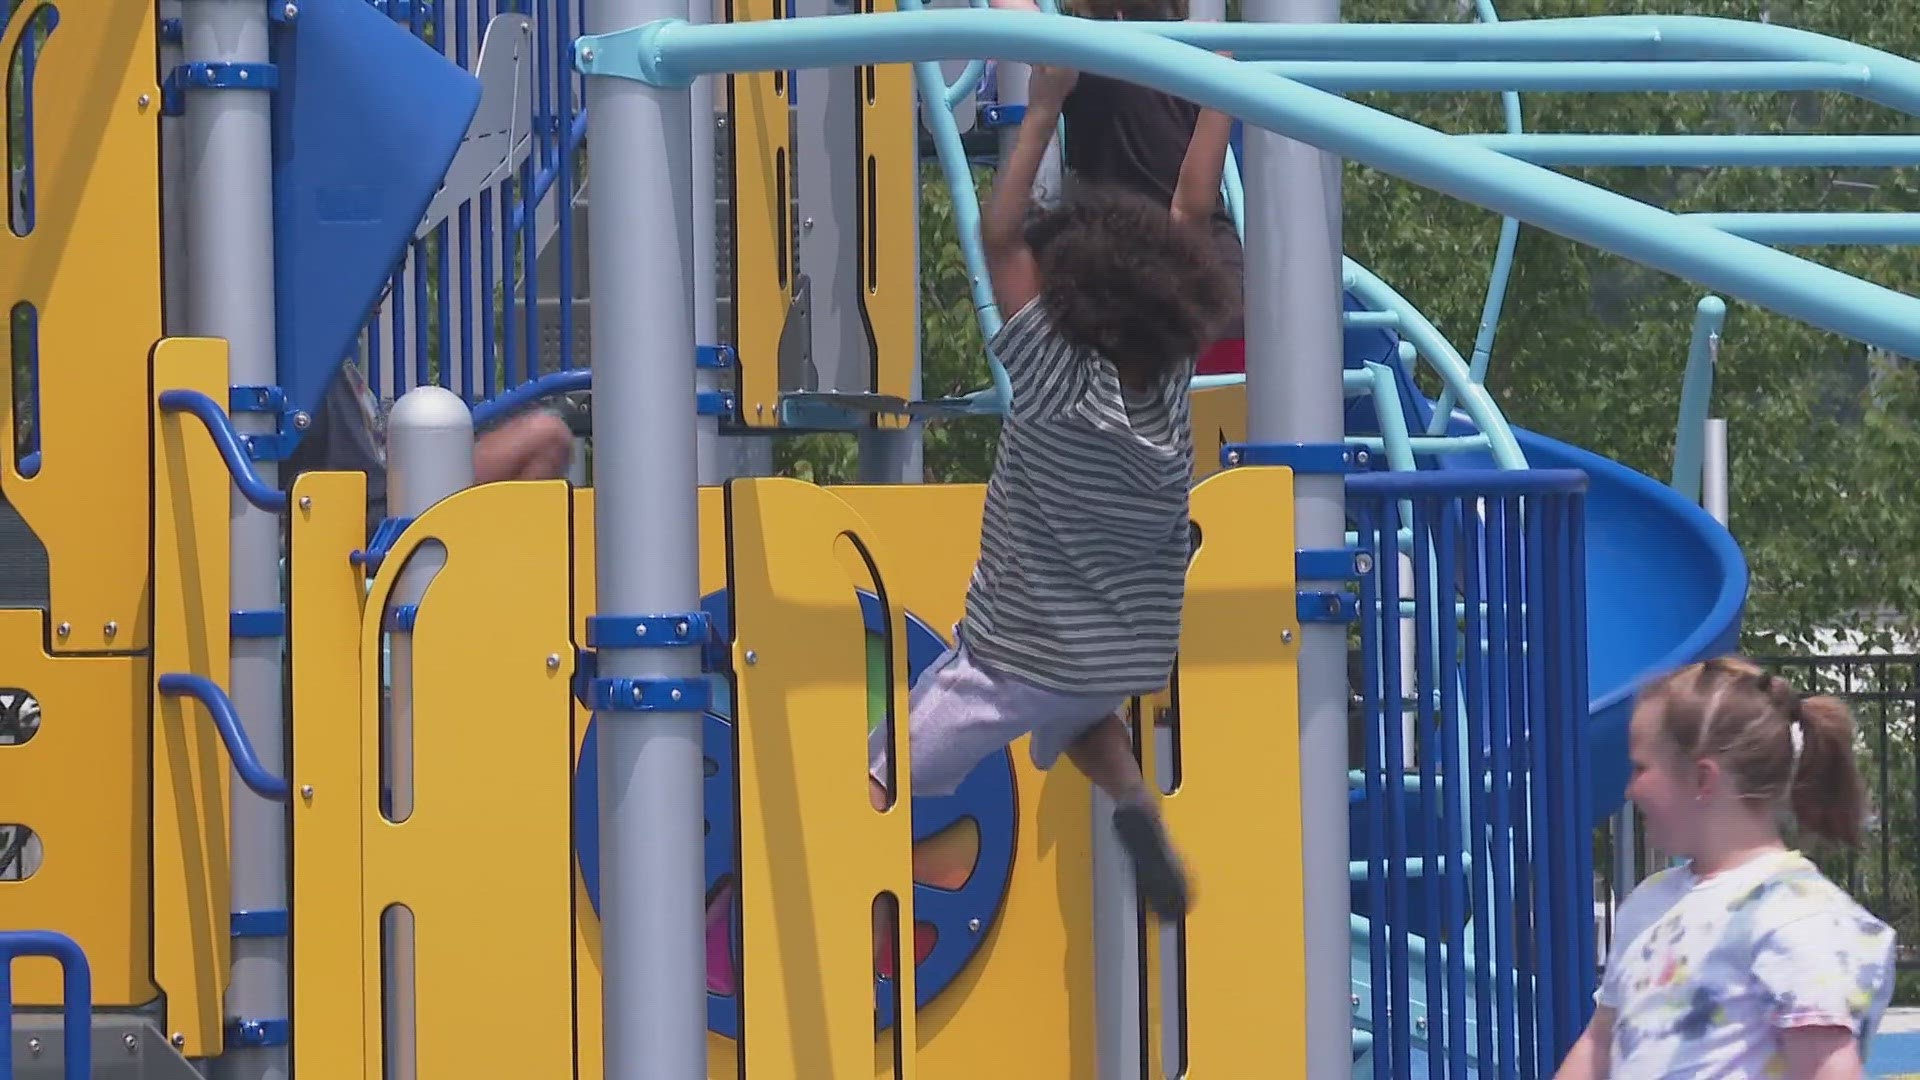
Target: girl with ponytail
column 1743, row 960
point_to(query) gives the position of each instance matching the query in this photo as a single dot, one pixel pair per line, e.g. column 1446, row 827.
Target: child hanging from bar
column 1075, row 602
column 1136, row 137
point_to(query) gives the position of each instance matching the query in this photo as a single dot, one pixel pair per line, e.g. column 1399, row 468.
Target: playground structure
column 461, row 840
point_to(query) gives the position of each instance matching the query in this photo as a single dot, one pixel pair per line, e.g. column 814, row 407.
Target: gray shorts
column 960, row 712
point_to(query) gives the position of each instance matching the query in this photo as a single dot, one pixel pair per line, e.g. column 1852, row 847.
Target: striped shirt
column 1084, row 540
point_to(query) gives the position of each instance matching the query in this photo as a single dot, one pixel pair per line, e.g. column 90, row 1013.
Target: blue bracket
column 1331, row 564
column 384, row 535
column 270, row 400
column 615, row 694
column 994, row 116
column 271, row 922
column 715, row 357
column 171, row 32
column 265, row 623
column 1326, row 607
column 692, row 628
column 713, row 403
column 403, row 617
column 1322, row 459
column 213, row 75
column 249, row 1034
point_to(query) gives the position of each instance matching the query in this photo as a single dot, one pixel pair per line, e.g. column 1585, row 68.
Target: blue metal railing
column 1478, row 959
column 227, row 722
column 230, row 444
column 76, row 1015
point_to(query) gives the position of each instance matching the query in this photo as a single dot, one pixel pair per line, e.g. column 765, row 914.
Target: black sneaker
column 1156, row 870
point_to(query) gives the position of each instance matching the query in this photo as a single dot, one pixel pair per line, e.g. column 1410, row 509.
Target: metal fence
column 1471, row 874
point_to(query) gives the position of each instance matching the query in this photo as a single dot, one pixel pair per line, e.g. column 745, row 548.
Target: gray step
column 124, row 1048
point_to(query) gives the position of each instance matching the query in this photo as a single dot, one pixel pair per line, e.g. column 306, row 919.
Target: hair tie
column 1797, row 734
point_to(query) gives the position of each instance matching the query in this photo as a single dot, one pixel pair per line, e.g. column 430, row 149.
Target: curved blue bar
column 548, row 385
column 1805, row 290
column 1438, row 75
column 76, row 1010
column 227, row 722
column 1466, row 483
column 227, row 440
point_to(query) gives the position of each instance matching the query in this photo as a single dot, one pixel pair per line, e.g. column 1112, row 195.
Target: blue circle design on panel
column 960, row 918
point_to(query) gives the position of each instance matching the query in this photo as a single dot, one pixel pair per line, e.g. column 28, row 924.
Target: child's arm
column 1198, row 192
column 1590, row 1058
column 1821, row 1053
column 1016, row 277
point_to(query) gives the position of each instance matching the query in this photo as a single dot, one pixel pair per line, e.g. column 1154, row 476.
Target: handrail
column 544, row 386
column 670, row 52
column 1350, row 76
column 227, row 722
column 1696, row 393
column 76, row 1008
column 227, row 440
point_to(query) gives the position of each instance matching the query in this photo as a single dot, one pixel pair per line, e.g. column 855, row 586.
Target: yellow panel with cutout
column 888, row 228
column 799, row 557
column 79, row 781
column 192, row 505
column 82, row 292
column 492, row 668
column 1219, row 418
column 1237, row 731
column 330, row 979
column 763, row 257
column 1023, row 1005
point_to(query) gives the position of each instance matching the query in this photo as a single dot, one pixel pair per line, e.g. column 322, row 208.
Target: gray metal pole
column 228, row 136
column 429, row 457
column 1116, row 951
column 1295, row 343
column 1714, row 471
column 647, row 536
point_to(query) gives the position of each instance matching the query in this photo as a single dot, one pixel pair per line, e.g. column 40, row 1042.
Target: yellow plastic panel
column 757, row 107
column 192, row 501
column 1024, row 1006
column 483, row 861
column 91, row 269
column 1219, row 418
column 888, row 229
column 813, row 851
column 81, row 785
column 330, row 737
column 1236, row 810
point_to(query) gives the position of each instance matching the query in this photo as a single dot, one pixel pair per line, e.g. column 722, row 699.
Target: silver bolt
column 291, row 11
column 553, row 661
column 243, row 74
column 302, row 421
column 1286, row 636
column 806, row 223
column 178, row 1039
column 33, row 1047
column 674, row 694
column 146, row 100
column 306, row 791
column 306, row 502
column 1233, row 457
column 752, row 658
column 1363, row 563
column 722, row 121
column 1420, row 1024
column 680, row 628
column 1361, row 457
column 1356, row 1001
column 587, row 54
column 64, row 629
column 973, row 925
column 640, row 630
column 112, row 628
column 133, row 1044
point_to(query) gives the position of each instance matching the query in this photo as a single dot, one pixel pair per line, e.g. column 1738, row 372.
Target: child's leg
column 1104, row 753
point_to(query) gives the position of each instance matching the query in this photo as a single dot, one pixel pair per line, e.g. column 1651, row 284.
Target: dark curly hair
column 1119, row 278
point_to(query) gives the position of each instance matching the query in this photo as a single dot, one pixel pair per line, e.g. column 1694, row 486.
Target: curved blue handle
column 227, row 722
column 558, row 382
column 76, row 1035
column 227, row 440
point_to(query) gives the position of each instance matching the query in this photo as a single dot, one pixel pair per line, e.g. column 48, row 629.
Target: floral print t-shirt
column 1704, row 973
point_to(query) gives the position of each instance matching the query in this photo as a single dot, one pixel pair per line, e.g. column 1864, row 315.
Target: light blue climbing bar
column 673, row 52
